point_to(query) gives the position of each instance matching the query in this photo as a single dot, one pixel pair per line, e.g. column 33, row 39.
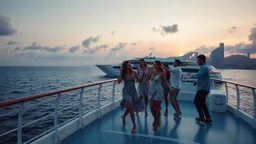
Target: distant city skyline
column 196, row 53
column 216, row 57
column 248, row 55
column 85, row 32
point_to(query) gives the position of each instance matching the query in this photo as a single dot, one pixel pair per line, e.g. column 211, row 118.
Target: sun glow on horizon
column 89, row 31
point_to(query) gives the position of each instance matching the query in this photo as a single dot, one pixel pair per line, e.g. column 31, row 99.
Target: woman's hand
column 150, row 71
column 139, row 79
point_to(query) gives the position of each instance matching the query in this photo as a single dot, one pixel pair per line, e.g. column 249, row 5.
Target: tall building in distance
column 217, row 56
column 248, row 55
column 221, row 47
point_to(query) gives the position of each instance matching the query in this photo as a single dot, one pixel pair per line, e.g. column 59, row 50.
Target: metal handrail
column 235, row 83
column 37, row 96
column 239, row 112
column 22, row 100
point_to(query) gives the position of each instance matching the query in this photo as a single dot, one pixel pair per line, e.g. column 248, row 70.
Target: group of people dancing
column 154, row 85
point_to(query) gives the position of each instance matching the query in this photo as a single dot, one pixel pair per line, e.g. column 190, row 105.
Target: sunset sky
column 82, row 32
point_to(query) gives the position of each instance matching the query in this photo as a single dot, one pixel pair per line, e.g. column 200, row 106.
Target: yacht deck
column 225, row 129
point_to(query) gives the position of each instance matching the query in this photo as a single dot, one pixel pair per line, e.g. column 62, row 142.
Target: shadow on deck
column 226, row 129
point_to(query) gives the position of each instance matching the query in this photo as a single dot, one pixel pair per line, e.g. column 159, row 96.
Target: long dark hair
column 167, row 73
column 160, row 65
column 145, row 64
column 124, row 65
column 166, row 65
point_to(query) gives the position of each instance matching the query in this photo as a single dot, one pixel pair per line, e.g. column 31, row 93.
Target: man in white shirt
column 176, row 73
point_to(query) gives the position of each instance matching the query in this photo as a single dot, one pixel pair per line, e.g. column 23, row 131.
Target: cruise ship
column 187, row 66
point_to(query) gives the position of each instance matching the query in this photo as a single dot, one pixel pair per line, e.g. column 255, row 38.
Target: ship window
column 116, row 67
column 190, row 70
column 134, row 62
column 169, row 63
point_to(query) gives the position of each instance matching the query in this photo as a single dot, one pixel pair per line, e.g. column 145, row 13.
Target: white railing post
column 81, row 107
column 99, row 90
column 254, row 102
column 20, row 124
column 113, row 95
column 238, row 101
column 213, row 84
column 226, row 86
column 57, row 136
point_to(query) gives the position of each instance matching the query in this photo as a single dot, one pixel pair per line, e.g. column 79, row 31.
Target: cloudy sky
column 82, row 32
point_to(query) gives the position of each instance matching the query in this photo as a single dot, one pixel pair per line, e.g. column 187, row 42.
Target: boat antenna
column 150, row 54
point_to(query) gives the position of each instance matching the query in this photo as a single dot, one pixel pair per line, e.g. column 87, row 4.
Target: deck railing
column 23, row 100
column 241, row 98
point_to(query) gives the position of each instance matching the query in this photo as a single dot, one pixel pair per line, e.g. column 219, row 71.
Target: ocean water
column 246, row 95
column 23, row 81
column 18, row 82
column 238, row 75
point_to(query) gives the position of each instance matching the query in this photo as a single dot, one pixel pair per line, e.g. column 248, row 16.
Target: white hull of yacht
column 109, row 70
column 114, row 72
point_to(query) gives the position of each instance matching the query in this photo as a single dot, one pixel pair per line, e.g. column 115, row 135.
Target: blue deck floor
column 226, row 129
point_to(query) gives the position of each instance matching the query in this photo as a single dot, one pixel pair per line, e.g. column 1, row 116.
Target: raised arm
column 138, row 70
column 138, row 78
column 186, row 76
column 150, row 72
column 120, row 77
column 202, row 71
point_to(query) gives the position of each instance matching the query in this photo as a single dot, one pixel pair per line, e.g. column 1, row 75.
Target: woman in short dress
column 130, row 99
column 156, row 75
column 144, row 86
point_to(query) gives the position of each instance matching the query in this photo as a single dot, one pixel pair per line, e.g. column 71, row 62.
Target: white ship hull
column 109, row 70
column 114, row 72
